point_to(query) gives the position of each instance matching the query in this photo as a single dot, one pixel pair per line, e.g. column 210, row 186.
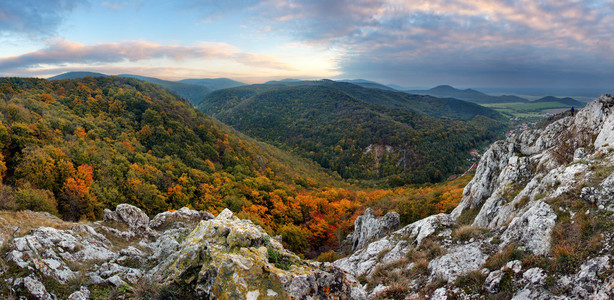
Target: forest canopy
column 75, row 147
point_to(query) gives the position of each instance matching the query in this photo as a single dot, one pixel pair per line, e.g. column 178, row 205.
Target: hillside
column 368, row 84
column 534, row 223
column 360, row 133
column 75, row 147
column 567, row 101
column 76, row 75
column 214, row 84
column 446, row 91
column 192, row 92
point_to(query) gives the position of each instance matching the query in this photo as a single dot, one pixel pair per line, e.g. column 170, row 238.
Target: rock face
column 552, row 179
column 228, row 257
column 367, row 228
column 184, row 252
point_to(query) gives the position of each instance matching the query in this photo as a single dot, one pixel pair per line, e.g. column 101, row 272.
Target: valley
column 301, row 161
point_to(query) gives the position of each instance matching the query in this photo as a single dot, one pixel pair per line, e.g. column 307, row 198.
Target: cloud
column 498, row 42
column 263, row 61
column 63, row 52
column 33, row 17
column 115, row 6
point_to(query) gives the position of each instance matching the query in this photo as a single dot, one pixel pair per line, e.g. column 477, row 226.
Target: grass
column 467, row 232
column 525, row 110
column 468, row 215
column 471, row 282
column 499, row 259
column 26, row 220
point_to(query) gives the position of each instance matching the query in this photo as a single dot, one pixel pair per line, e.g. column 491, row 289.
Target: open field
column 526, row 110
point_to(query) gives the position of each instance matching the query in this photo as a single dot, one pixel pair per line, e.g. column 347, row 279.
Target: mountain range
column 195, row 89
column 471, row 95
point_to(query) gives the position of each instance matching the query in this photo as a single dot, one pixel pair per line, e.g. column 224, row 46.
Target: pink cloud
column 67, row 52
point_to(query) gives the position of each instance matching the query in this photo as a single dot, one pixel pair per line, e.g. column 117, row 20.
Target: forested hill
column 360, row 133
column 222, row 100
column 78, row 146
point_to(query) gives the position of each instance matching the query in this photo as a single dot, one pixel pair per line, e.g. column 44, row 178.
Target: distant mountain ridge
column 214, row 83
column 369, row 84
column 567, row 101
column 446, row 91
column 471, row 95
column 191, row 89
column 76, row 75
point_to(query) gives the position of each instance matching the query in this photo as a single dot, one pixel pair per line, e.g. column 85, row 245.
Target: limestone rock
column 36, row 289
column 532, row 229
column 458, row 261
column 493, row 282
column 127, row 214
column 48, row 250
column 535, row 276
column 514, row 265
column 396, row 245
column 82, row 294
column 367, row 228
column 586, row 282
column 363, row 261
column 232, row 257
column 181, row 218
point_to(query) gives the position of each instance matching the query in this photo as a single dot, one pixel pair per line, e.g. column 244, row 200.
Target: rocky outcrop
column 185, row 251
column 228, row 257
column 367, row 228
column 552, row 179
column 459, row 260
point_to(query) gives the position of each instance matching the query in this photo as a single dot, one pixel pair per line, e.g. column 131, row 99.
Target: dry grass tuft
column 18, row 223
column 467, row 232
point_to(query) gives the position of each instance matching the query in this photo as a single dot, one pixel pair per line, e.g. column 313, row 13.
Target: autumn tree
column 76, row 200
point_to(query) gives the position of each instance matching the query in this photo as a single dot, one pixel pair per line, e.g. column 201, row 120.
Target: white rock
column 181, row 218
column 458, row 261
column 440, row 294
column 116, row 281
column 364, row 261
column 82, row 294
column 492, row 284
column 131, row 215
column 535, row 276
column 376, row 291
column 532, row 229
column 36, row 288
column 514, row 265
column 367, row 228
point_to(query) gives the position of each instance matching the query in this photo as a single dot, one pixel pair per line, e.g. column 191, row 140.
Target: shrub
column 329, row 256
column 7, row 198
column 27, row 197
column 294, row 238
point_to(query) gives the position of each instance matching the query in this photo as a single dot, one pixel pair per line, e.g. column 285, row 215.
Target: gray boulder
column 367, row 228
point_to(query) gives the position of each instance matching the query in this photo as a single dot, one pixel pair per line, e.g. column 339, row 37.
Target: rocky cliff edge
column 536, row 222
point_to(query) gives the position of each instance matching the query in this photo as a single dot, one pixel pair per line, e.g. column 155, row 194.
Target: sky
column 412, row 43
